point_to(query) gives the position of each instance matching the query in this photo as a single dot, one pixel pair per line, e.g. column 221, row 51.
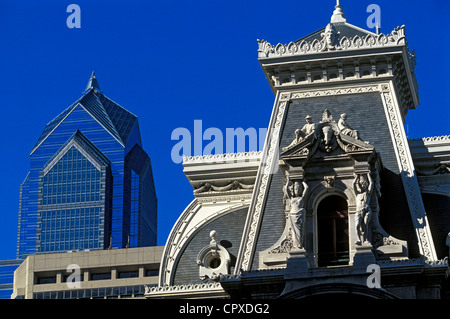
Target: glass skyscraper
column 90, row 184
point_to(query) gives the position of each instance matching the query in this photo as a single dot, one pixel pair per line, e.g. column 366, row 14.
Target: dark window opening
column 332, row 231
column 151, row 272
column 101, row 276
column 128, row 274
column 214, row 263
column 46, row 280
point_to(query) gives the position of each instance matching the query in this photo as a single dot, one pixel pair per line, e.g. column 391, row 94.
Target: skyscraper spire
column 338, row 14
column 92, row 84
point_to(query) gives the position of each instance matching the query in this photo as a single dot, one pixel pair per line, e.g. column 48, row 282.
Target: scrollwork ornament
column 382, row 39
column 318, row 46
column 345, row 43
column 370, row 40
column 280, row 49
column 357, row 42
column 292, row 48
column 304, row 47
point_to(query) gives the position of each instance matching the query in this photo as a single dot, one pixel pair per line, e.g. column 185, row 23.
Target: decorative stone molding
column 431, row 156
column 421, row 261
column 206, row 290
column 406, row 166
column 387, row 263
column 328, row 142
column 436, row 263
column 395, row 38
column 269, row 159
column 194, row 217
column 428, row 140
column 222, row 177
column 400, row 143
column 222, row 158
column 213, row 260
column 289, row 96
column 231, row 186
column 184, row 288
column 438, row 169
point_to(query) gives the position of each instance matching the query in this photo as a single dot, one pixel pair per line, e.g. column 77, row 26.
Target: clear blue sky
column 172, row 62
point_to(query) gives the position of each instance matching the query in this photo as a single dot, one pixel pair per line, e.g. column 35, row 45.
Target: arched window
column 332, row 231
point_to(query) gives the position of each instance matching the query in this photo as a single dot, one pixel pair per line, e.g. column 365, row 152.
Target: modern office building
column 339, row 202
column 100, row 274
column 90, row 184
column 7, row 268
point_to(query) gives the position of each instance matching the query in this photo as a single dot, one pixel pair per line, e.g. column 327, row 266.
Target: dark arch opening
column 341, row 292
column 332, row 232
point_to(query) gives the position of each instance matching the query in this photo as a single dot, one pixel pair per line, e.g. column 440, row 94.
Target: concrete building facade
column 101, row 274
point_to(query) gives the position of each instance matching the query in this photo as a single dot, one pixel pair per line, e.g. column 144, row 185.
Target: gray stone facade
column 330, row 206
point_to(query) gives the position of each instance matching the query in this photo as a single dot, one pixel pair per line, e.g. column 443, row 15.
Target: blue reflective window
column 61, row 225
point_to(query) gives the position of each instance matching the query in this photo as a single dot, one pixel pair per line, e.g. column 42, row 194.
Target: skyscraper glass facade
column 80, row 192
column 7, row 268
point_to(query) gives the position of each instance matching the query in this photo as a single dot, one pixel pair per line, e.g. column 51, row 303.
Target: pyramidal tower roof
column 115, row 119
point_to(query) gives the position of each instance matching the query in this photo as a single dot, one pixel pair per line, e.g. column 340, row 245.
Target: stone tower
column 333, row 196
column 356, row 88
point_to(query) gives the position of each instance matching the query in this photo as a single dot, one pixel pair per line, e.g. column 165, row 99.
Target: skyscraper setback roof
column 114, row 118
column 87, row 170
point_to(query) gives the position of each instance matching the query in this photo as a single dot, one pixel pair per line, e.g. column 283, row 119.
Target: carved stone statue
column 232, row 185
column 309, row 127
column 345, row 128
column 330, row 36
column 363, row 186
column 297, row 213
column 300, row 135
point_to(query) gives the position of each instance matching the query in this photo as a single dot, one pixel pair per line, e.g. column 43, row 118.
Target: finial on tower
column 338, row 14
column 92, row 84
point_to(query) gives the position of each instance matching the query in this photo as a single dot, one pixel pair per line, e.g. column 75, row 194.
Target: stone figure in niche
column 345, row 128
column 297, row 213
column 330, row 37
column 286, row 198
column 301, row 134
column 363, row 187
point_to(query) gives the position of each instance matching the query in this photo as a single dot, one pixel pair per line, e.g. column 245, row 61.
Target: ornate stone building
column 339, row 201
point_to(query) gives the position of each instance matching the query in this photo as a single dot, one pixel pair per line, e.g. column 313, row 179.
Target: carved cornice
column 386, row 263
column 222, row 158
column 424, row 141
column 355, row 59
column 194, row 290
column 230, row 176
column 435, row 184
column 396, row 38
column 438, row 169
column 294, row 95
column 232, row 186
